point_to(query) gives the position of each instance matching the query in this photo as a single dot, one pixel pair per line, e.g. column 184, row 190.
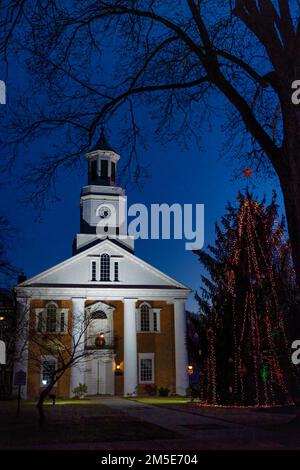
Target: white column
column 130, row 348
column 77, row 339
column 181, row 357
column 21, row 347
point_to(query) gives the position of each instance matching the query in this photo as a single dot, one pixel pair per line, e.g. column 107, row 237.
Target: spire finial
column 102, row 143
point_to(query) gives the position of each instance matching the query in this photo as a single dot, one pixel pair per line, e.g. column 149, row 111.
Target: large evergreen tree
column 246, row 300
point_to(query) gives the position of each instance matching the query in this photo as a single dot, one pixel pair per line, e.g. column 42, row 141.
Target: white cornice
column 105, row 154
column 106, row 294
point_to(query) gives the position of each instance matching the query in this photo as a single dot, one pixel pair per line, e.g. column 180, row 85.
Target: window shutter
column 151, row 322
column 66, row 321
column 40, row 320
column 62, row 321
column 138, row 319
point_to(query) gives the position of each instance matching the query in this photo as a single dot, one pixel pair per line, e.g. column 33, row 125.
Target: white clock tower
column 102, row 204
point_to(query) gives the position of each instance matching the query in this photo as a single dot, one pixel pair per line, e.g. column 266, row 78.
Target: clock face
column 104, row 212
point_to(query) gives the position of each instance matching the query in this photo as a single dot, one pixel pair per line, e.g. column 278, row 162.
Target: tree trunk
column 40, row 405
column 290, row 185
column 289, row 172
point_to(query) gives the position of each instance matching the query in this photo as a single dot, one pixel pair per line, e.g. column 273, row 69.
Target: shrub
column 80, row 391
column 163, row 391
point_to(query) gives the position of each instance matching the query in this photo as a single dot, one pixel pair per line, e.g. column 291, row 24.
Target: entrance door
column 99, row 374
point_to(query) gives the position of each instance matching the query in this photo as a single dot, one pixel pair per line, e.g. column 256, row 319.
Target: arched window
column 99, row 331
column 105, row 267
column 51, row 318
column 145, row 317
column 98, row 315
column 148, row 318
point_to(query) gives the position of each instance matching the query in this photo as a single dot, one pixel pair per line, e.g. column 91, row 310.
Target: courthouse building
column 136, row 333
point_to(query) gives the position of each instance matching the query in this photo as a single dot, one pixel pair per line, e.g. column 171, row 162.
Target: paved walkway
column 197, row 431
column 180, row 422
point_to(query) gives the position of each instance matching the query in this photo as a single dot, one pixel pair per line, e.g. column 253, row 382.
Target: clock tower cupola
column 102, row 202
column 102, row 162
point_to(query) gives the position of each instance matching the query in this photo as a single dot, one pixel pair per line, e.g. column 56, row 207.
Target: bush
column 163, row 391
column 80, row 391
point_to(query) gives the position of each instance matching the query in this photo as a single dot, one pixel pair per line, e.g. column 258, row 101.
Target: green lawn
column 84, row 401
column 155, row 400
column 71, row 401
column 161, row 400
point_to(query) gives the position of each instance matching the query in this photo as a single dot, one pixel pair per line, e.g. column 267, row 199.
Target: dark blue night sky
column 184, row 176
column 189, row 176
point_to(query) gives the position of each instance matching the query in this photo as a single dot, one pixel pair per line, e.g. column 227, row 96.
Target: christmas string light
column 249, row 289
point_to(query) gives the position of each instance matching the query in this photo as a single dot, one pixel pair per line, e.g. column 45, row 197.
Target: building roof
column 102, row 143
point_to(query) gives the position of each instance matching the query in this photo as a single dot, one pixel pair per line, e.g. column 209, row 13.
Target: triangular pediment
column 76, row 271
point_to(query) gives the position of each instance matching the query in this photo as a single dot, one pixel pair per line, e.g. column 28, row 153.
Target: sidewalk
column 238, row 429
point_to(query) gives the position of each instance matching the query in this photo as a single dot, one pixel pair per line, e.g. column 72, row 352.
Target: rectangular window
column 104, row 169
column 40, row 324
column 93, row 170
column 94, row 270
column 51, row 321
column 113, row 171
column 148, row 319
column 145, row 320
column 146, row 370
column 146, row 367
column 62, row 322
column 116, row 272
column 48, row 369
